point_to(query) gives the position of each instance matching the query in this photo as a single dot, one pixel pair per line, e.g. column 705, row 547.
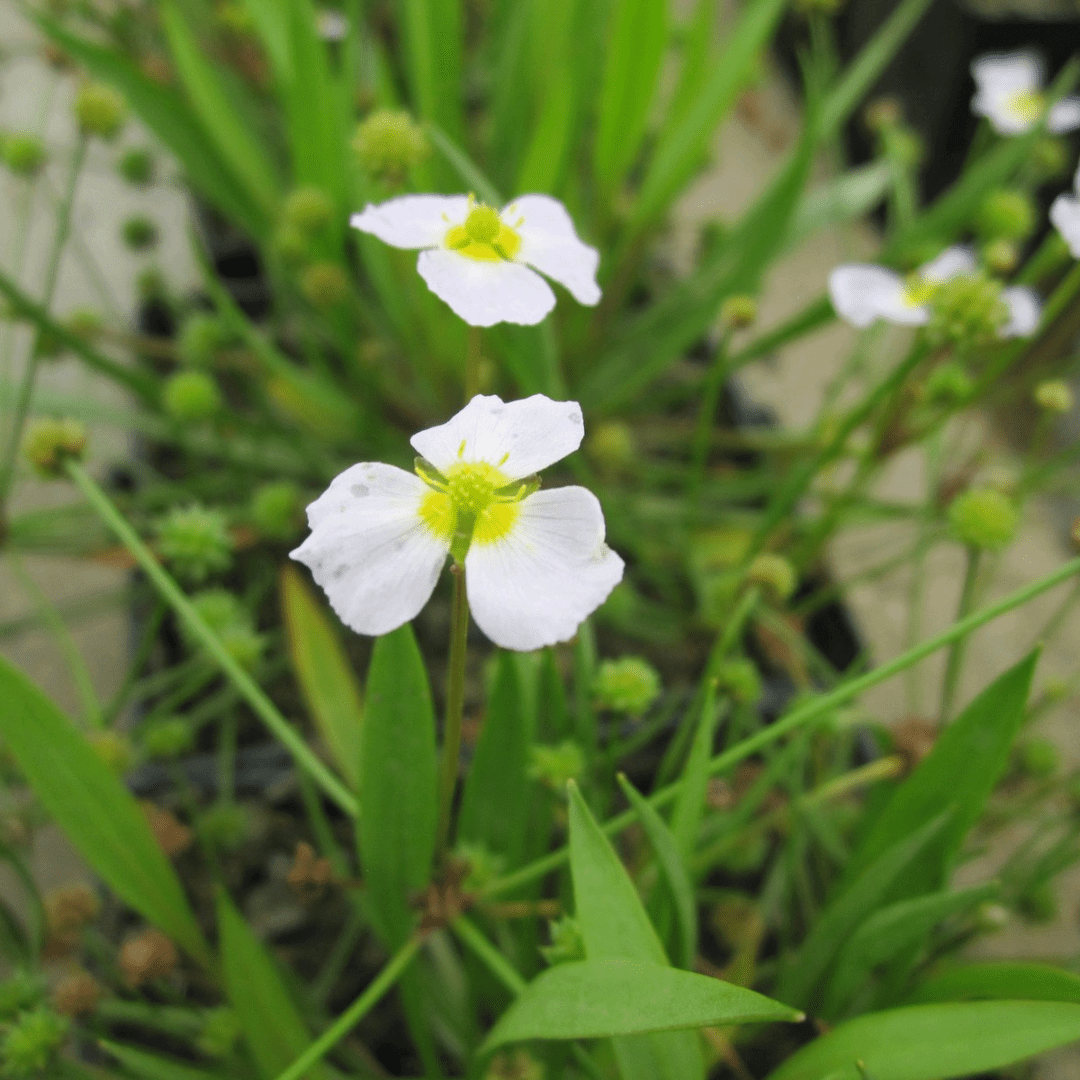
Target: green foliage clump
column 195, row 542
column 627, row 685
column 983, row 518
column 191, row 396
column 20, row 992
column 482, row 865
column 31, row 1043
column 567, row 944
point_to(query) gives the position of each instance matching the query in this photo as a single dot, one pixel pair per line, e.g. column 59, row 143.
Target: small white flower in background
column 536, row 564
column 863, row 293
column 477, row 258
column 1008, row 92
column 1065, row 214
column 331, row 25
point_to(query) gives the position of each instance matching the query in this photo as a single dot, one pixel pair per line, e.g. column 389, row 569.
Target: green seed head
column 389, row 145
column 1054, row 395
column 567, row 943
column 224, row 826
column 948, row 384
column 1001, row 256
column 31, row 1043
column 325, row 284
column 627, row 685
column 221, row 1032
column 516, row 1064
column 611, row 444
column 136, row 167
column 195, row 542
column 201, row 337
column 308, row 209
column 740, row 680
column 983, row 518
column 738, row 312
column 114, row 749
column 481, row 865
column 231, row 623
column 1047, row 159
column 100, row 110
column 967, row 311
column 24, row 155
column 553, row 766
column 139, row 233
column 1039, row 758
column 774, row 574
column 47, row 444
column 191, row 396
column 167, row 738
column 276, row 510
column 1006, row 214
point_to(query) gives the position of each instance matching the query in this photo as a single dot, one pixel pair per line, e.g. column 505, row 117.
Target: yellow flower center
column 484, row 236
column 919, row 290
column 1027, row 105
column 470, row 502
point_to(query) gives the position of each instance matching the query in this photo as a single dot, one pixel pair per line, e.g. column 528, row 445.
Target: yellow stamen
column 474, row 492
column 919, row 290
column 1027, row 105
column 484, row 236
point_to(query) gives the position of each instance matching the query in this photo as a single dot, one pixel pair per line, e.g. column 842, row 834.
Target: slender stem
column 33, row 361
column 1053, row 624
column 260, row 704
column 354, row 1013
column 803, row 714
column 496, row 963
column 455, row 701
column 714, row 384
column 956, row 653
column 472, row 364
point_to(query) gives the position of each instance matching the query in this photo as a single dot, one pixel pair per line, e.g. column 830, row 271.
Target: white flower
column 1065, row 214
column 1008, row 92
column 862, row 293
column 536, row 563
column 478, row 259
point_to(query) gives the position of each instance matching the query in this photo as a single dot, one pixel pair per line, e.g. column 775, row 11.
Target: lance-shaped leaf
column 1007, row 980
column 597, row 998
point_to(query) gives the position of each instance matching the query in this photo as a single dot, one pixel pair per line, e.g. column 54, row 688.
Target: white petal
column 536, row 585
column 369, row 549
column 1064, row 115
column 1024, row 311
column 952, row 262
column 999, row 78
column 550, row 243
column 861, row 293
column 518, row 437
column 1065, row 214
column 484, row 293
column 412, row 221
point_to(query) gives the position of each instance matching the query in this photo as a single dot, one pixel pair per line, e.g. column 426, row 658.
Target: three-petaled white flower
column 478, row 258
column 535, row 561
column 1065, row 214
column 1008, row 92
column 863, row 293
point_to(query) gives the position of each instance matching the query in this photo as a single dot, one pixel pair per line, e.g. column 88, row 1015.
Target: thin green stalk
column 714, row 384
column 956, row 653
column 33, row 361
column 1053, row 624
column 472, row 364
column 455, row 702
column 340, row 954
column 803, row 714
column 496, row 963
column 260, row 704
column 354, row 1013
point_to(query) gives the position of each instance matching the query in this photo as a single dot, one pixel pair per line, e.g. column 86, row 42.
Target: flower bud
column 276, row 511
column 611, row 445
column 1005, row 214
column 167, row 738
column 1047, row 159
column 48, row 443
column 883, row 113
column 325, row 284
column 1001, row 256
column 139, row 233
column 24, row 155
column 150, row 284
column 171, row 834
column 740, row 680
column 224, row 826
column 76, row 993
column 114, row 749
column 191, row 396
column 967, row 310
column 948, row 384
column 627, row 685
column 904, row 146
column 983, row 518
column 774, row 574
column 308, row 209
column 201, row 336
column 145, row 956
column 20, row 992
column 220, row 1034
column 553, row 766
column 195, row 542
column 31, row 1043
column 1054, row 395
column 100, row 110
column 567, row 943
column 738, row 312
column 389, row 145
column 516, row 1064
column 1039, row 758
column 136, row 167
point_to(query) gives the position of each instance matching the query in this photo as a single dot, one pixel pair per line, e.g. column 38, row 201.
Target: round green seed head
column 167, row 738
column 983, row 518
column 31, row 1043
column 276, row 510
column 24, row 155
column 221, row 1032
column 114, row 749
column 139, row 233
column 948, row 384
column 195, row 542
column 389, row 145
column 611, row 444
column 553, row 766
column 136, row 167
column 224, row 826
column 48, row 443
column 202, row 335
column 325, row 284
column 1001, row 256
column 191, row 396
column 308, row 209
column 1054, row 395
column 967, row 311
column 740, row 680
column 1006, row 214
column 738, row 312
column 1048, row 159
column 99, row 110
column 627, row 685
column 1039, row 758
column 774, row 574
column 292, row 246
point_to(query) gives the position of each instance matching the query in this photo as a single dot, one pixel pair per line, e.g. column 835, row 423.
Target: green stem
column 1053, row 624
column 472, row 364
column 260, row 704
column 33, row 361
column 714, row 384
column 803, row 714
column 455, row 701
column 956, row 653
column 494, row 960
column 354, row 1013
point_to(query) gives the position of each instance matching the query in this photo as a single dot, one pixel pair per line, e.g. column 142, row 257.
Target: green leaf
column 166, row 114
column 397, row 783
column 235, row 139
column 614, row 925
column 637, row 37
column 960, row 772
column 471, row 175
column 683, row 141
column 935, row 1042
column 271, row 20
column 326, row 677
column 497, row 800
column 151, row 1066
column 552, row 709
column 690, row 803
column 95, row 810
column 432, row 32
column 849, row 196
column 889, row 932
column 597, row 998
column 276, row 1034
column 805, row 968
column 672, row 869
column 1017, row 981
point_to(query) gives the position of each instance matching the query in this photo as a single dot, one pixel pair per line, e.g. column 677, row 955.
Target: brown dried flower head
column 147, row 955
column 309, row 872
column 172, row 835
column 67, row 910
column 77, row 993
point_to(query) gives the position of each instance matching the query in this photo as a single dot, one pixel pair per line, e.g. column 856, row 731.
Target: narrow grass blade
column 1008, row 981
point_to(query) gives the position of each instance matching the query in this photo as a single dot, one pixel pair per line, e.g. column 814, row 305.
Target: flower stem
column 455, row 700
column 714, row 383
column 472, row 364
column 956, row 653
